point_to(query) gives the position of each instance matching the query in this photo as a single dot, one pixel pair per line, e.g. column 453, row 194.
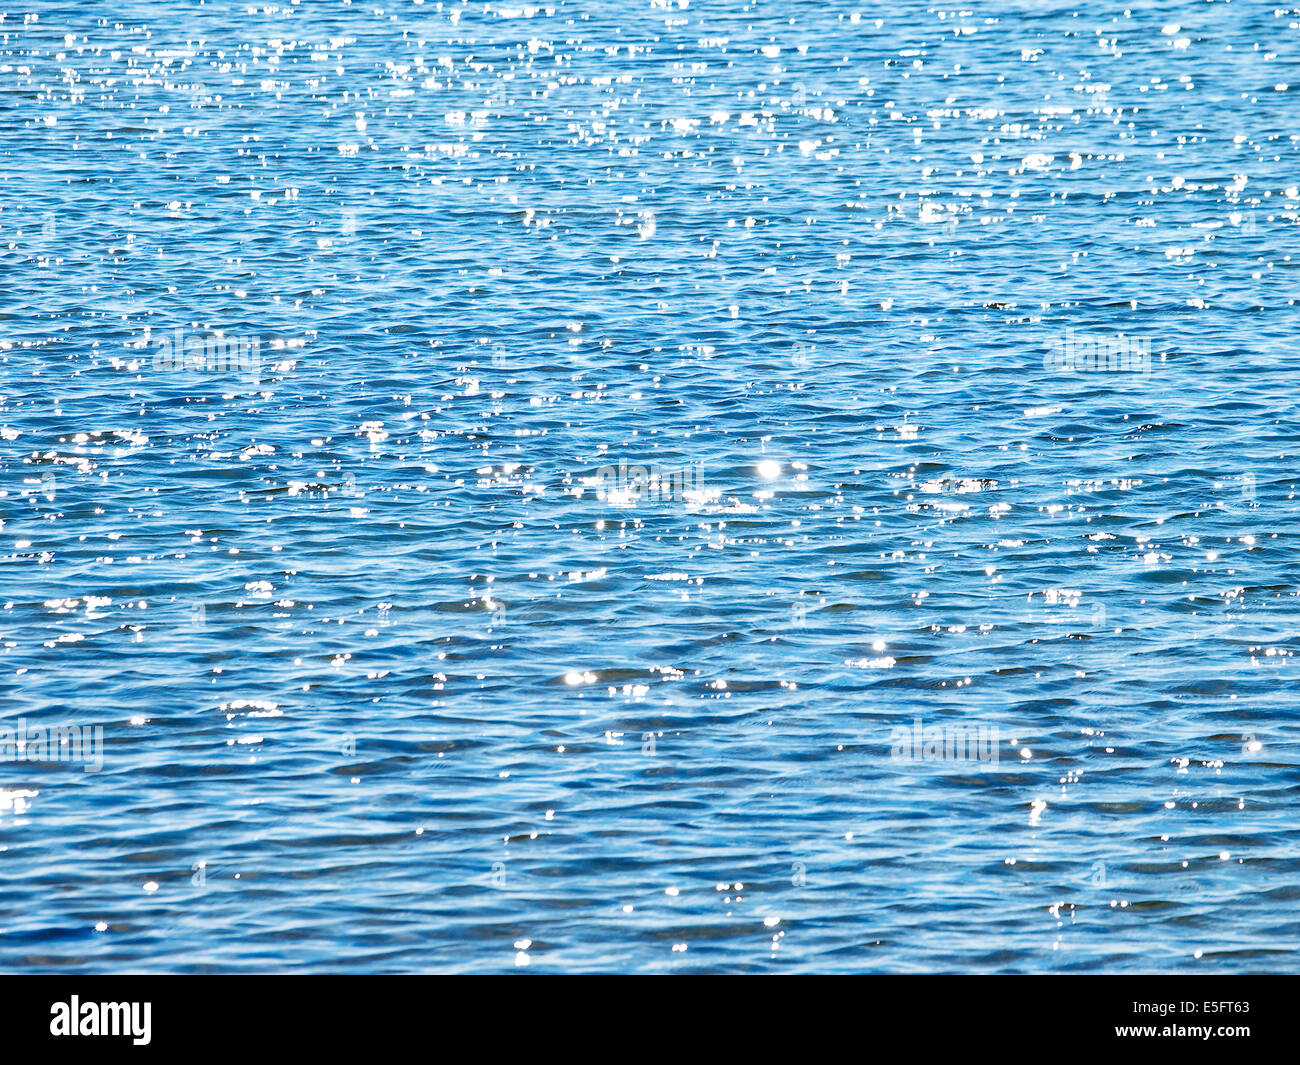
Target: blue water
column 385, row 650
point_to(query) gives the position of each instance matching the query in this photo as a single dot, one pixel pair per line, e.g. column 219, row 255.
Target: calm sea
column 674, row 486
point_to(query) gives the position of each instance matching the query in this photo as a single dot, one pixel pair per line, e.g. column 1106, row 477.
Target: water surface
column 643, row 442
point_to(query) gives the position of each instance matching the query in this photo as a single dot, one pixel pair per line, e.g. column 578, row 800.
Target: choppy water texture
column 395, row 673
